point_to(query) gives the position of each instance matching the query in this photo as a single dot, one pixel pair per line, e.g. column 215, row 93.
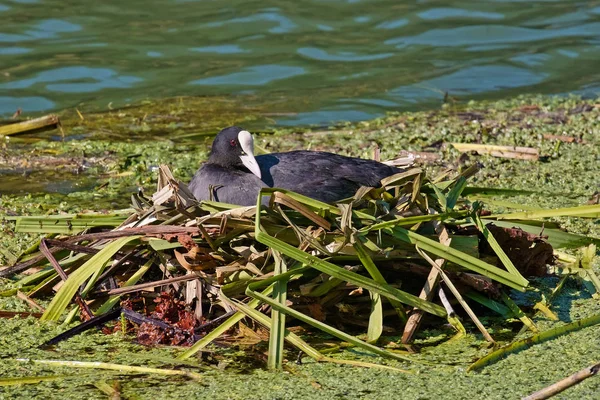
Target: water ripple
column 471, row 80
column 13, row 50
column 46, row 29
column 394, row 24
column 442, row 13
column 322, row 55
column 285, row 24
column 253, row 76
column 75, row 80
column 492, row 34
column 221, row 49
column 326, row 60
column 27, row 104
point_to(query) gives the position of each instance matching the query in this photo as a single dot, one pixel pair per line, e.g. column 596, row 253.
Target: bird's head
column 234, row 147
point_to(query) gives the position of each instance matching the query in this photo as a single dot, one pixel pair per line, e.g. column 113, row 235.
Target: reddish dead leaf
column 566, row 139
column 529, row 108
column 194, row 261
column 529, row 253
column 316, row 311
column 173, row 312
column 150, row 335
column 171, row 237
column 167, row 308
column 187, row 321
column 186, row 241
column 595, row 199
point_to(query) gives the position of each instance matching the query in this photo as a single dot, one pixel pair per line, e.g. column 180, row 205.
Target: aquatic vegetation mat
column 194, row 270
column 383, row 280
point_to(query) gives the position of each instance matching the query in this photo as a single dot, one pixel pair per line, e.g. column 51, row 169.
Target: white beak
column 247, row 144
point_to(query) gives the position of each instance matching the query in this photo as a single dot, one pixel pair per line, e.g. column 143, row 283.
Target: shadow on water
column 571, row 296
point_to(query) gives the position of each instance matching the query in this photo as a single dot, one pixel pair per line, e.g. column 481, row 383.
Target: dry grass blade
column 591, row 211
column 44, row 123
column 151, row 285
column 458, row 296
column 523, row 153
column 428, row 290
column 121, row 368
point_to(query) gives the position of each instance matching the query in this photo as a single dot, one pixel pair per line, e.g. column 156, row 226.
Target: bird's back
column 324, row 176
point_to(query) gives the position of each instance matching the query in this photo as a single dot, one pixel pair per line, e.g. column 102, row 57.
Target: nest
column 187, row 272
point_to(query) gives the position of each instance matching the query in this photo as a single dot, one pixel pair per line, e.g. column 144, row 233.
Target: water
column 322, row 61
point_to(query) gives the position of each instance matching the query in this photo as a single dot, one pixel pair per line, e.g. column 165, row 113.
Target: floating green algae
column 565, row 176
column 514, row 377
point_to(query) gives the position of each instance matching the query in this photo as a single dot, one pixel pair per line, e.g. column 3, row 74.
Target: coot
column 233, row 175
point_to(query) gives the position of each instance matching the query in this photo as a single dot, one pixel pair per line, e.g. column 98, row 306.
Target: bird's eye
column 232, row 142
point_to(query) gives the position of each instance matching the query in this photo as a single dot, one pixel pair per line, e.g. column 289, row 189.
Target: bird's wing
column 213, row 182
column 324, row 176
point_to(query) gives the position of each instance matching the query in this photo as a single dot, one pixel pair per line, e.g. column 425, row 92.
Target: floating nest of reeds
column 187, row 272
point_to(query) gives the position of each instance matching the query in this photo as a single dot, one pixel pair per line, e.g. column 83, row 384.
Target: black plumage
column 231, row 172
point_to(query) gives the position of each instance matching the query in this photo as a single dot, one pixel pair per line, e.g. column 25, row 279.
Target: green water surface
column 313, row 61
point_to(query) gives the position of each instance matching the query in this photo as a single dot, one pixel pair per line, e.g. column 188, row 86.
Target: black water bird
column 234, row 175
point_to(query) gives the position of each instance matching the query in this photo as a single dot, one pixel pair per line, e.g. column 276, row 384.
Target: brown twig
column 428, row 291
column 28, row 300
column 566, row 383
column 458, row 296
column 152, row 230
column 149, row 230
column 57, row 245
column 15, row 269
column 148, row 285
column 22, row 314
column 61, row 244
